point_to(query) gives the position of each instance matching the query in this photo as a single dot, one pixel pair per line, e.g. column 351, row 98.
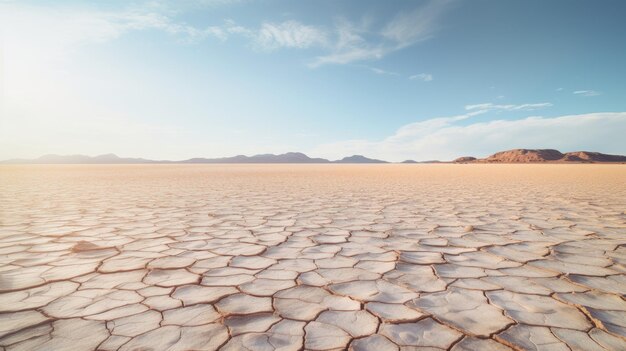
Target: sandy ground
column 316, row 257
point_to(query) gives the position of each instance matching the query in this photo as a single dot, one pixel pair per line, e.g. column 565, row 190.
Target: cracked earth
column 313, row 257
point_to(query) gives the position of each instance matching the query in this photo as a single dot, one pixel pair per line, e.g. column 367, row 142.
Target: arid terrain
column 315, row 257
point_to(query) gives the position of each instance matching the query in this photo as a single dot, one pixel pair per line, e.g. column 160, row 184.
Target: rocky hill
column 358, row 159
column 289, row 157
column 586, row 156
column 544, row 156
column 465, row 159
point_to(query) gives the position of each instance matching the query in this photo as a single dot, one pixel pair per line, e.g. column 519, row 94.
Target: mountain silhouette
column 509, row 156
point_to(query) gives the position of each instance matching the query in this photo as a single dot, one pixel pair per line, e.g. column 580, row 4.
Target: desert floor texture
column 313, row 257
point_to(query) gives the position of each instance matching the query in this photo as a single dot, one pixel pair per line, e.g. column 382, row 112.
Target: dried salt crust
column 449, row 257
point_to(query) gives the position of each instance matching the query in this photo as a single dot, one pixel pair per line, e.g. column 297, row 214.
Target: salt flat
column 315, row 257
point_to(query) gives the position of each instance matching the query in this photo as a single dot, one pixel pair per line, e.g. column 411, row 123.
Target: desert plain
column 313, row 257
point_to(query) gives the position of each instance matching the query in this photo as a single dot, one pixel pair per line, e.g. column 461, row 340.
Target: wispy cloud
column 407, row 28
column 424, row 77
column 350, row 45
column 587, row 93
column 380, row 71
column 290, row 34
column 344, row 42
column 495, row 107
column 138, row 20
column 65, row 27
column 446, row 138
column 360, row 42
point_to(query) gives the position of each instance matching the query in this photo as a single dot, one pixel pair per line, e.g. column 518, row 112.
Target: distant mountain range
column 510, row 156
column 290, row 157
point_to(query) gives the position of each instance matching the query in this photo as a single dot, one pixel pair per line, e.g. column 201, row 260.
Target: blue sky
column 389, row 79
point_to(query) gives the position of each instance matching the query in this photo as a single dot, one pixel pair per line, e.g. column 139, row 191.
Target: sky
column 394, row 80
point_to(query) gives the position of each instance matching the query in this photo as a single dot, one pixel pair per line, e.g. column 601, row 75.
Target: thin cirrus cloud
column 380, row 71
column 495, row 107
column 424, row 77
column 344, row 42
column 359, row 42
column 446, row 138
column 290, row 34
column 587, row 93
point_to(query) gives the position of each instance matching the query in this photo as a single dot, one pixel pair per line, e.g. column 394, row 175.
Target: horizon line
column 300, row 157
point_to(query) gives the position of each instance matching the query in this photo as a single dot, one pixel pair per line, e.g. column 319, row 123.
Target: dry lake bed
column 313, row 257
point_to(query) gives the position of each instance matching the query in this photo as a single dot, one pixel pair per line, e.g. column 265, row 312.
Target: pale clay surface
column 314, row 257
